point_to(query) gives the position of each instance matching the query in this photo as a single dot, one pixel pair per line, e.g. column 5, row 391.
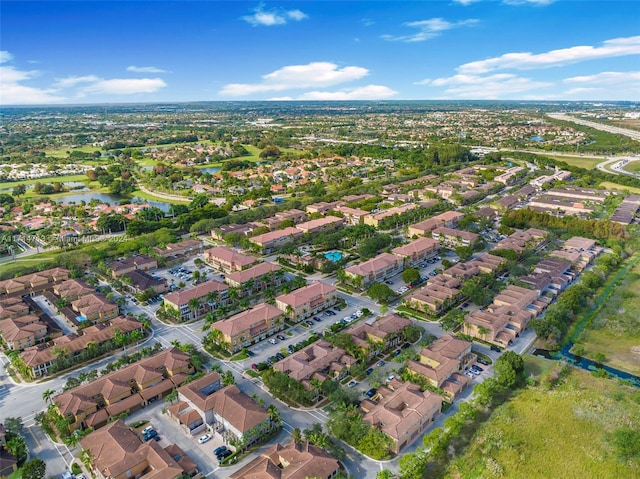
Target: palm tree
column 194, row 306
column 48, row 395
column 274, row 415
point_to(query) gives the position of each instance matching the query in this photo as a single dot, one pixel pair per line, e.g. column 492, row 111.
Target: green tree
column 34, row 469
column 19, row 190
column 509, row 369
column 626, row 443
column 384, row 474
column 380, row 292
column 410, row 275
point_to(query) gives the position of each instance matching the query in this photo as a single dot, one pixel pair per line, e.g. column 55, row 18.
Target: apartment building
column 448, row 219
column 320, row 360
column 117, row 452
column 384, row 333
column 250, row 326
column 205, row 406
column 417, row 251
column 438, row 295
column 321, row 225
column 228, row 260
column 209, row 296
column 72, row 289
column 443, row 361
column 41, row 357
column 324, row 207
column 35, row 283
column 256, row 279
column 22, row 331
column 376, row 219
column 12, row 307
column 140, row 261
column 402, row 411
column 521, row 240
column 94, row 308
column 454, row 238
column 376, row 269
column 352, row 216
column 295, row 460
column 308, row 300
column 184, row 248
column 141, row 281
column 274, row 240
column 125, row 390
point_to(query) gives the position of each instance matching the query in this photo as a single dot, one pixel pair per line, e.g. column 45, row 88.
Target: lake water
column 537, row 138
column 110, row 199
column 211, row 170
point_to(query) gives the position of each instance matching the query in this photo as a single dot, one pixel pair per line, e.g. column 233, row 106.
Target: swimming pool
column 334, row 256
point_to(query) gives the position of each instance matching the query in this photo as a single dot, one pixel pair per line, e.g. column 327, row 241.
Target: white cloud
column 538, row 3
column 136, row 69
column 428, row 29
column 14, row 92
column 492, row 87
column 74, row 81
column 367, row 92
column 526, row 61
column 269, row 18
column 607, row 78
column 124, row 86
column 605, row 85
column 311, row 75
column 466, row 2
column 5, row 56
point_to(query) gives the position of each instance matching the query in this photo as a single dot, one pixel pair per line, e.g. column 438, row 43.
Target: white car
column 359, row 313
column 469, row 374
column 205, row 438
column 273, row 341
column 147, row 430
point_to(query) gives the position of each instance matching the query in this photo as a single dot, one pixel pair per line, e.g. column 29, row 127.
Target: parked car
column 315, row 318
column 254, row 366
column 469, row 374
column 369, row 371
column 397, row 352
column 223, row 455
column 391, row 377
column 281, row 337
column 150, row 435
column 381, row 363
column 273, row 341
column 205, row 438
column 218, row 450
column 147, row 430
column 352, row 384
column 496, row 349
column 309, row 322
column 483, row 361
column 370, row 393
column 280, row 356
column 475, row 366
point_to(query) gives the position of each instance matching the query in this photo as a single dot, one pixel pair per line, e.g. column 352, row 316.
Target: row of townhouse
column 382, row 335
column 386, row 265
column 453, row 238
column 24, row 324
column 518, row 241
column 125, row 390
column 626, row 211
column 34, row 283
column 205, row 406
column 181, row 249
column 41, row 357
column 228, row 260
column 448, row 219
column 194, row 302
column 127, row 265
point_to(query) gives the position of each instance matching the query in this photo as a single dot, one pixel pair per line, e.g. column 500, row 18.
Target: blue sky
column 155, row 51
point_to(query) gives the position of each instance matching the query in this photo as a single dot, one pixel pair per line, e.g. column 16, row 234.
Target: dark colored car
column 397, row 352
column 150, row 435
column 218, row 450
column 315, row 318
column 476, row 367
column 250, row 353
column 496, row 349
column 224, row 454
column 369, row 371
column 483, row 361
column 281, row 337
column 254, row 366
column 370, row 393
column 280, row 356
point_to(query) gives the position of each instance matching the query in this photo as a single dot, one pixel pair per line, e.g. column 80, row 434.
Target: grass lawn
column 579, row 161
column 633, row 167
column 616, row 329
column 562, row 432
column 63, row 152
column 615, row 186
column 172, row 201
column 51, row 179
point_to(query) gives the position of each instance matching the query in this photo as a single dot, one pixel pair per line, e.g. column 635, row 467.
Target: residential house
column 194, row 302
column 141, row 281
column 12, row 307
column 34, row 283
column 323, row 207
column 402, row 411
column 352, row 216
column 250, row 326
column 308, row 300
column 376, row 219
column 295, row 460
column 521, row 240
column 117, row 452
column 184, row 248
column 228, row 260
column 376, row 269
column 22, row 331
column 439, row 294
column 417, row 251
column 72, row 289
column 125, row 390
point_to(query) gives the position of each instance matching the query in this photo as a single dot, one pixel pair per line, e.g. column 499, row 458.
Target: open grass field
column 171, row 201
column 579, row 161
column 557, row 433
column 616, row 329
column 51, row 179
column 64, row 152
column 615, row 186
column 633, row 167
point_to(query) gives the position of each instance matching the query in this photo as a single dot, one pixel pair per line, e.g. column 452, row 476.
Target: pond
column 212, row 170
column 109, row 198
